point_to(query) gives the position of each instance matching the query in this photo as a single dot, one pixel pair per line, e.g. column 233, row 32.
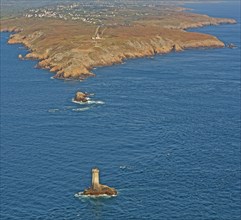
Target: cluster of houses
column 74, row 11
column 107, row 13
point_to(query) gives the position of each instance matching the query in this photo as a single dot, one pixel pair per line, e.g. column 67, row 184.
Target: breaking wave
column 80, row 195
column 54, row 110
column 80, row 109
column 90, row 102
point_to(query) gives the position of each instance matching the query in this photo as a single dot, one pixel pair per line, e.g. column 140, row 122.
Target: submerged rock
column 98, row 189
column 81, row 97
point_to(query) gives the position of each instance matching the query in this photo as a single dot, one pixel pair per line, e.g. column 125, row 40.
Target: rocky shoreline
column 76, row 61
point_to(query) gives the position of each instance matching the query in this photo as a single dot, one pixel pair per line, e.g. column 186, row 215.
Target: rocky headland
column 71, row 49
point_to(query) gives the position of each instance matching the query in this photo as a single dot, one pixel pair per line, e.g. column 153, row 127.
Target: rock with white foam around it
column 98, row 189
column 81, row 97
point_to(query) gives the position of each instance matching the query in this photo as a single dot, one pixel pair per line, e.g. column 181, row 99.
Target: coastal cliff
column 68, row 49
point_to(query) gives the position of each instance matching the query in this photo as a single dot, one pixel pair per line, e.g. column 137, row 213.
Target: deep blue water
column 167, row 137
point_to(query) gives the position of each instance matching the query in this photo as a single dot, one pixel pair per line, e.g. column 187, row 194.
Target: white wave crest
column 126, row 167
column 53, row 110
column 88, row 102
column 96, row 102
column 80, row 109
column 80, row 195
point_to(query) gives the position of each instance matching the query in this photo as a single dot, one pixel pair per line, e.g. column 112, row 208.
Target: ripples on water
column 167, row 136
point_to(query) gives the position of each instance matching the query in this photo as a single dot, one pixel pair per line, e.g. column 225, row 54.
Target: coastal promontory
column 70, row 40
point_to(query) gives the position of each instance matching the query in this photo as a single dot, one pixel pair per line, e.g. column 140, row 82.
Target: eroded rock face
column 81, row 97
column 101, row 190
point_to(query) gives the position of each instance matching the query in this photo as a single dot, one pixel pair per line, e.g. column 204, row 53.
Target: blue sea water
column 167, row 135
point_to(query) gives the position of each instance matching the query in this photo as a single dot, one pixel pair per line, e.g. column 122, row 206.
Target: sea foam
column 80, row 195
column 89, row 102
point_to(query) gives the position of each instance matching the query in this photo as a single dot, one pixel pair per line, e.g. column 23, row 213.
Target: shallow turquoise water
column 167, row 136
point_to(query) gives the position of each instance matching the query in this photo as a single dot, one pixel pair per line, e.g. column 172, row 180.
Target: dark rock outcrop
column 102, row 190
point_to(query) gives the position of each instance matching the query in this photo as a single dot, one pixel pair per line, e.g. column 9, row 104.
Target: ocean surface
column 164, row 131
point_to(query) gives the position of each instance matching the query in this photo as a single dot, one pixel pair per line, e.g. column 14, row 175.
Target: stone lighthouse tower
column 96, row 188
column 95, row 178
